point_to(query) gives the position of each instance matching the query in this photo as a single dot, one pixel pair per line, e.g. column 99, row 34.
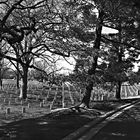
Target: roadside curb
column 79, row 132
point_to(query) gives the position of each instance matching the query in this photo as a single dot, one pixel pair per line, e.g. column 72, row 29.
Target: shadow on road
column 42, row 128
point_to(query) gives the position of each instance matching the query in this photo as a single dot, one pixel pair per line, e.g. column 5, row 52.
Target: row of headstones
column 11, row 100
column 11, row 97
column 8, row 109
column 102, row 97
column 23, row 110
column 99, row 97
column 40, row 88
column 21, row 102
column 8, row 86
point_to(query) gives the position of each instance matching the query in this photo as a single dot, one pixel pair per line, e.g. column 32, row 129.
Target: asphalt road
column 124, row 127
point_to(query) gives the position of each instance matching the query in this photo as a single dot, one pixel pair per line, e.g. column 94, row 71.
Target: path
column 124, row 127
column 43, row 128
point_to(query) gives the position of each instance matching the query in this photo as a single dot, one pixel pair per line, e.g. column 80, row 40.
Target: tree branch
column 121, row 43
column 55, row 52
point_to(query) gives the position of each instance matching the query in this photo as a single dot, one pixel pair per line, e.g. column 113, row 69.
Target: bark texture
column 24, row 86
column 118, row 90
column 92, row 70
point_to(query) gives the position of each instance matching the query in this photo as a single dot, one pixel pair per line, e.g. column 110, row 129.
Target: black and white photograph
column 69, row 69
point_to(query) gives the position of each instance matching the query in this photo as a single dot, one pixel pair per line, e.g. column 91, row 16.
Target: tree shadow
column 42, row 128
column 120, row 130
column 124, row 127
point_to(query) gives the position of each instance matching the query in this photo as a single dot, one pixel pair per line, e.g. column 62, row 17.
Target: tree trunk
column 23, row 92
column 0, row 74
column 120, row 52
column 17, row 74
column 17, row 80
column 0, row 79
column 92, row 70
column 118, row 90
column 86, row 98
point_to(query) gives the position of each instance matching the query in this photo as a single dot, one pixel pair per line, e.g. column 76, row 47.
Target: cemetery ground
column 35, row 125
column 35, row 118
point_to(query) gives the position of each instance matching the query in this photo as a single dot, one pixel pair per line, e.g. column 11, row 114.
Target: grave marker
column 16, row 100
column 22, row 102
column 41, row 104
column 9, row 103
column 4, row 100
column 8, row 110
column 43, row 101
column 23, row 109
column 28, row 105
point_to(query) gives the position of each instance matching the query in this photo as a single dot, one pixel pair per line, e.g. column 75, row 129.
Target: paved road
column 124, row 127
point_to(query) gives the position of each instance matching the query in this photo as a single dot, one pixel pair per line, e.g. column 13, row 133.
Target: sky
column 67, row 64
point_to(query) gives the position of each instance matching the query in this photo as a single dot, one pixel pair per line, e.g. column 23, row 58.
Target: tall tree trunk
column 92, row 70
column 0, row 71
column 17, row 80
column 24, row 86
column 0, row 78
column 118, row 90
column 120, row 52
column 17, row 74
column 86, row 97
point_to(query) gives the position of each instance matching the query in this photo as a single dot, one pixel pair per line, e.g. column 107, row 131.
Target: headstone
column 23, row 109
column 63, row 105
column 8, row 110
column 41, row 104
column 102, row 97
column 28, row 105
column 43, row 101
column 36, row 98
column 22, row 102
column 9, row 103
column 26, row 99
column 4, row 100
column 16, row 100
column 50, row 107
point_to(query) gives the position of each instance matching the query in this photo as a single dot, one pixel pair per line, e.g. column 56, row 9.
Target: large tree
column 46, row 35
column 87, row 22
column 70, row 26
